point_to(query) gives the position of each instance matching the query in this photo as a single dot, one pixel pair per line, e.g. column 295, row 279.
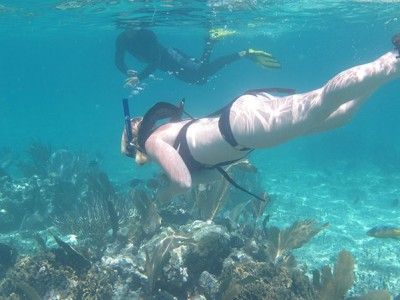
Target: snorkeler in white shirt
column 191, row 151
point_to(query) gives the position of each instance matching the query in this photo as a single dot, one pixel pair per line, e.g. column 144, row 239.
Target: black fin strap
column 234, row 183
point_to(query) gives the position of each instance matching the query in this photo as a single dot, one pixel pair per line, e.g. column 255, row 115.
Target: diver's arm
column 170, row 161
column 134, row 78
column 147, row 71
column 120, row 55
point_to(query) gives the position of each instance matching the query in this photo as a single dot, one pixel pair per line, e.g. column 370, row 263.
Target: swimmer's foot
column 396, row 43
column 217, row 34
column 262, row 58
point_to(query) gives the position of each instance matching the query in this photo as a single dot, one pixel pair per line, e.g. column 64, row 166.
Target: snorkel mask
column 139, row 129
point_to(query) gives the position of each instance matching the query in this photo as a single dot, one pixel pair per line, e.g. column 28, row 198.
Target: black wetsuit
column 143, row 45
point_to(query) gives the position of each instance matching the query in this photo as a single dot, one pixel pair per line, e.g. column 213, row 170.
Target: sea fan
column 281, row 242
column 334, row 285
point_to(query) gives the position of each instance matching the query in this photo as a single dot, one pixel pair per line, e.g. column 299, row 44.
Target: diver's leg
column 261, row 120
column 214, row 35
column 203, row 71
column 208, row 48
column 208, row 69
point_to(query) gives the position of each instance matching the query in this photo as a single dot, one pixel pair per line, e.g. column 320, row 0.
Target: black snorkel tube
column 127, row 119
column 128, row 128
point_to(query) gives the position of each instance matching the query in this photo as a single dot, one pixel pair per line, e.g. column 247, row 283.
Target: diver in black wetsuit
column 144, row 46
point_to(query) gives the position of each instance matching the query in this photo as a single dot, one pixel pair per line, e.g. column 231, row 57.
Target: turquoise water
column 59, row 84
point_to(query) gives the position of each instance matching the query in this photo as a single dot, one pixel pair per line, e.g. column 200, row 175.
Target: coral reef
column 42, row 277
column 261, row 280
column 80, row 237
column 53, row 184
column 211, row 245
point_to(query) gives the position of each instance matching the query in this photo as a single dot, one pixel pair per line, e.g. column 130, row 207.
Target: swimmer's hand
column 133, row 80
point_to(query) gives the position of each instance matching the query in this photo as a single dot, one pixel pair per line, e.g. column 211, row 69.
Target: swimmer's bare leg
column 341, row 116
column 329, row 106
column 275, row 120
column 357, row 82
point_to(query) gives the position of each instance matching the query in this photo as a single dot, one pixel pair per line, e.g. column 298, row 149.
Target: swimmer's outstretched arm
column 121, row 65
column 171, row 162
column 121, row 45
column 120, row 49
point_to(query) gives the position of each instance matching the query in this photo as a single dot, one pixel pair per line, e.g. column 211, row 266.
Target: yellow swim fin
column 220, row 33
column 262, row 58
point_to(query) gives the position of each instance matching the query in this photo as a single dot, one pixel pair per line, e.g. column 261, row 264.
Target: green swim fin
column 262, row 58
